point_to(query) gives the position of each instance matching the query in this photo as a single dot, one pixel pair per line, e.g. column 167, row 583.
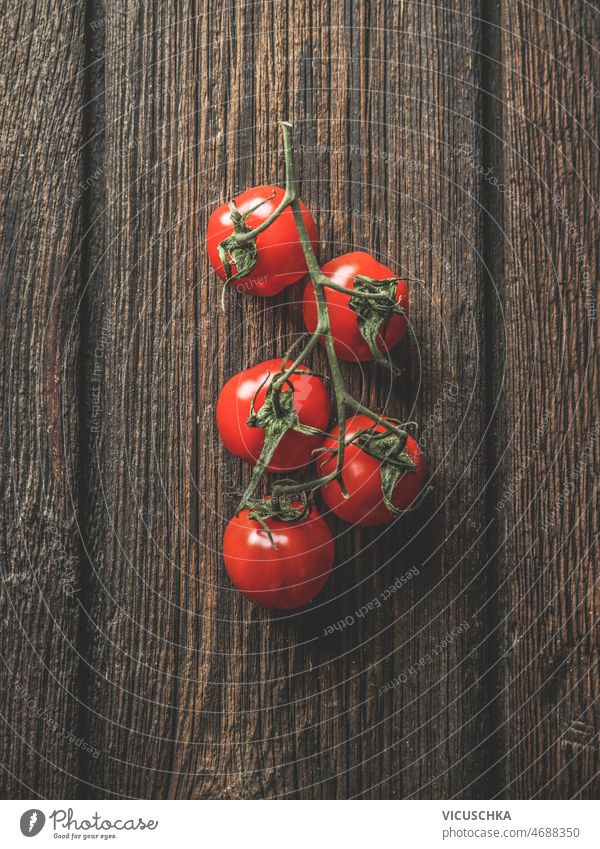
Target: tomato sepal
column 241, row 253
column 276, row 417
column 284, row 508
column 390, row 449
column 373, row 313
column 277, row 413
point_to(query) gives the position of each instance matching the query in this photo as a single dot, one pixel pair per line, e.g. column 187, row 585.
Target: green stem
column 266, row 454
column 290, row 195
column 367, row 296
column 344, row 402
column 242, row 238
column 301, row 356
column 360, row 408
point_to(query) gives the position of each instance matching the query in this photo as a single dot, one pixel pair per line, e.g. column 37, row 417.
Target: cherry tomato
column 280, row 259
column 349, row 342
column 310, row 403
column 283, row 577
column 361, row 474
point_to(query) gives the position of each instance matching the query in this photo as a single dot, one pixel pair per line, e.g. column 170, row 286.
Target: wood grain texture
column 145, row 590
column 455, row 142
column 550, row 456
column 40, row 171
column 194, row 692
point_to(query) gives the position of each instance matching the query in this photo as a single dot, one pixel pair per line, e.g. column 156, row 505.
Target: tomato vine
column 373, row 302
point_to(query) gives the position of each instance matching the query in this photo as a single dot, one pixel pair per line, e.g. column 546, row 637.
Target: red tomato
column 280, row 260
column 287, row 576
column 361, row 474
column 348, row 340
column 310, row 402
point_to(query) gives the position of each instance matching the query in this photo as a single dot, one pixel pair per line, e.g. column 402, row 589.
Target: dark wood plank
column 42, row 57
column 447, row 688
column 146, row 592
column 195, row 693
column 549, row 510
column 415, row 71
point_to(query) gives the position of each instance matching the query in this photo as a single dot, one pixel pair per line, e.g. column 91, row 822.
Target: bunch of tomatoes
column 276, row 415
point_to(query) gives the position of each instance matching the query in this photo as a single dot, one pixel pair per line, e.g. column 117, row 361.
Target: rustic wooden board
column 144, row 592
column 550, row 453
column 193, row 692
column 479, row 678
column 41, row 81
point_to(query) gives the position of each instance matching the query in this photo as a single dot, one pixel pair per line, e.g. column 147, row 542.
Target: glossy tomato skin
column 361, row 475
column 348, row 340
column 285, row 577
column 280, row 258
column 295, row 450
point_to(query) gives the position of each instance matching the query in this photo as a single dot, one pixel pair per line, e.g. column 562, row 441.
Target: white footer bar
column 301, row 824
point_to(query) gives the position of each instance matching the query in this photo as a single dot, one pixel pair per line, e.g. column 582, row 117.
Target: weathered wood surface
column 549, row 528
column 180, row 686
column 41, row 85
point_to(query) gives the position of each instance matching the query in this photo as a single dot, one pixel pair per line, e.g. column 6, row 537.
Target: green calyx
column 276, row 417
column 373, row 312
column 233, row 252
column 284, row 508
column 390, row 449
column 238, row 250
column 277, row 414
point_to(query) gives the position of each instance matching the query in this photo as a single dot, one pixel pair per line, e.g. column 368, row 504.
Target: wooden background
column 456, row 141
